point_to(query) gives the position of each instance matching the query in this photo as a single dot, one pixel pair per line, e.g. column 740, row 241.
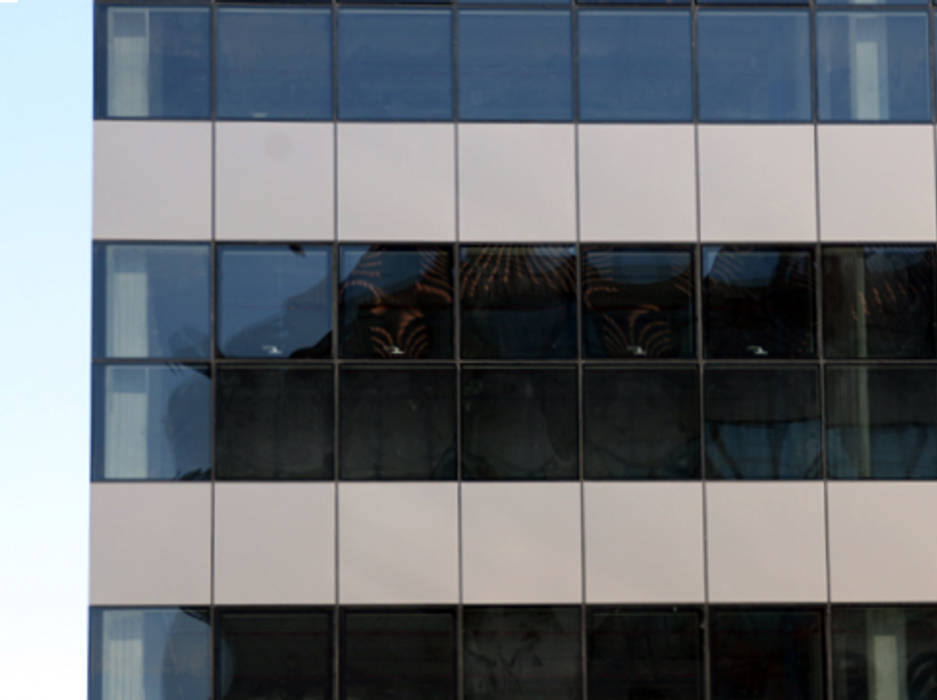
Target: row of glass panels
column 512, row 65
column 515, row 302
column 519, row 653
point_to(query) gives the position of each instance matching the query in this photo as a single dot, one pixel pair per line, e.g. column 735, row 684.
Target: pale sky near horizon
column 45, row 291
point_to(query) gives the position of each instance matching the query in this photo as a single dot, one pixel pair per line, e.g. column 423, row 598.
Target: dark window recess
column 396, row 302
column 274, row 423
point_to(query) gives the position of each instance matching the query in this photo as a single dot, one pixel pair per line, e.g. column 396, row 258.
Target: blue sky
column 45, row 222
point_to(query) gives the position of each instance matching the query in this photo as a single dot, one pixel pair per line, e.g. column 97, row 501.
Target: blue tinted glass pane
column 151, row 422
column 635, row 66
column 274, row 64
column 515, row 65
column 873, row 66
column 151, row 301
column 383, row 73
column 754, row 66
column 153, row 62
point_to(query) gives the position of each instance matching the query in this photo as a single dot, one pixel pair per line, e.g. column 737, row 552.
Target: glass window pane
column 754, row 66
column 878, row 302
column 758, row 303
column 873, row 66
column 384, row 74
column 524, row 653
column 151, row 422
column 274, row 423
column 274, row 63
column 641, row 423
column 635, row 66
column 153, row 62
column 884, row 652
column 519, row 424
column 767, row 654
column 273, row 654
column 151, row 301
column 149, row 654
column 637, row 303
column 644, row 654
column 398, row 424
column 762, row 423
column 396, row 301
column 518, row 302
column 515, row 65
column 274, row 301
column 881, row 422
column 402, row 654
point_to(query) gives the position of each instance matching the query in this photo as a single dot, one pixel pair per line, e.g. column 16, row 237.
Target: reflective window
column 873, row 66
column 273, row 654
column 526, row 653
column 519, row 424
column 518, row 302
column 641, row 423
column 274, row 423
column 153, row 62
column 754, row 66
column 515, row 65
column 884, row 652
column 767, row 654
column 644, row 654
column 151, row 301
column 402, row 654
column 872, row 296
column 758, row 303
column 398, row 424
column 881, row 423
column 635, row 66
column 384, row 74
column 274, row 301
column 396, row 301
column 149, row 654
column 762, row 423
column 637, row 303
column 151, row 422
column 274, row 63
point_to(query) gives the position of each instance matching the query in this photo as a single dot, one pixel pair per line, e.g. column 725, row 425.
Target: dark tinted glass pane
column 873, row 66
column 398, row 424
column 644, row 655
column 153, row 62
column 274, row 301
column 384, row 74
column 515, row 65
column 391, row 654
column 758, row 303
column 754, row 66
column 637, row 303
column 884, row 653
column 635, row 65
column 641, row 423
column 767, row 654
column 518, row 302
column 522, row 653
column 762, row 423
column 149, row 654
column 396, row 301
column 274, row 64
column 151, row 422
column 272, row 655
column 274, row 424
column 881, row 422
column 151, row 301
column 878, row 302
column 519, row 424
